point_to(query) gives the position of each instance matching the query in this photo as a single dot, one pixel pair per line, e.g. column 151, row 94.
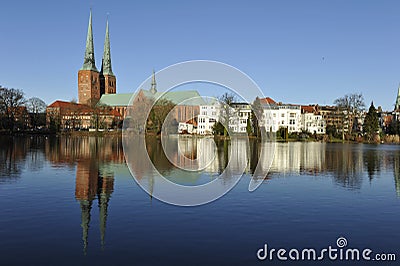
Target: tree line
column 19, row 113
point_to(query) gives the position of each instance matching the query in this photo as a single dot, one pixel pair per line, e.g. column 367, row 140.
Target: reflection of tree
column 345, row 163
column 371, row 160
column 19, row 152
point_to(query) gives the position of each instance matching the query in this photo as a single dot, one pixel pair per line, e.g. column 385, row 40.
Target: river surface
column 73, row 201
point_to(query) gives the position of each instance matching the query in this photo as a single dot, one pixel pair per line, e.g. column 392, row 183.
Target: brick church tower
column 107, row 79
column 92, row 83
column 88, row 75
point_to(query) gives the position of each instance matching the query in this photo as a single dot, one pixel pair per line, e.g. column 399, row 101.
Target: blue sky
column 297, row 51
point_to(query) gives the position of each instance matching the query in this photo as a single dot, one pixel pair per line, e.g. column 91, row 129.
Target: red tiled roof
column 267, row 100
column 307, row 109
column 81, row 108
column 63, row 104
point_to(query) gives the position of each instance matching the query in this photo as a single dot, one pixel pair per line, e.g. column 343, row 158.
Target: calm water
column 73, row 201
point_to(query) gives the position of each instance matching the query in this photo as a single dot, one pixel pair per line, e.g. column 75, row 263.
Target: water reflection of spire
column 86, row 206
column 106, row 188
column 85, row 191
column 396, row 173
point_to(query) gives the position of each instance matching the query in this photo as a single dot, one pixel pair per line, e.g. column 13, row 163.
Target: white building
column 311, row 121
column 210, row 114
column 238, row 120
column 278, row 115
column 207, row 118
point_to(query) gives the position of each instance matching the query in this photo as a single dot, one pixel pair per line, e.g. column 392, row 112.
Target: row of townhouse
column 295, row 118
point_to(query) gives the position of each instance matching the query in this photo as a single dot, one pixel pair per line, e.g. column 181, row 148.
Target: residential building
column 207, row 118
column 311, row 120
column 241, row 115
column 280, row 115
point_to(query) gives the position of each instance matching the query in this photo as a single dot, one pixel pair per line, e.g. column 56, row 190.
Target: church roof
column 118, row 99
column 177, row 97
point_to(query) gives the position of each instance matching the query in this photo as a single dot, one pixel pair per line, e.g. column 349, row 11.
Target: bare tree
column 226, row 111
column 351, row 106
column 11, row 102
column 37, row 110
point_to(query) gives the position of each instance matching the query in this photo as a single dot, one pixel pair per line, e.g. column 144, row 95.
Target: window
column 282, row 115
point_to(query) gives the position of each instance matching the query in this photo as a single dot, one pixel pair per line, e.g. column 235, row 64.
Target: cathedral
column 99, row 88
column 92, row 84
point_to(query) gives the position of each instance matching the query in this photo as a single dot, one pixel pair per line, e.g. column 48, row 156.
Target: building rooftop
column 177, row 97
column 118, row 99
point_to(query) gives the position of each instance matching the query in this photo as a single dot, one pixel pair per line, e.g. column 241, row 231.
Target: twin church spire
column 89, row 60
column 106, row 62
column 92, row 84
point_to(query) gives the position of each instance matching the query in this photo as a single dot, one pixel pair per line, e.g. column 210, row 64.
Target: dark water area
column 73, row 201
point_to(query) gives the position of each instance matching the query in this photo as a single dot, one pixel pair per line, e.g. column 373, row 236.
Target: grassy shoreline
column 388, row 139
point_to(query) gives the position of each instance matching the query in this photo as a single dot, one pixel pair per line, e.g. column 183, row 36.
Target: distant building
column 279, row 115
column 74, row 116
column 207, row 118
column 332, row 116
column 238, row 121
column 311, row 120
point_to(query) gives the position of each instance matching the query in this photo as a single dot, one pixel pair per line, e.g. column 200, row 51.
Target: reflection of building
column 89, row 184
column 396, row 173
column 91, row 156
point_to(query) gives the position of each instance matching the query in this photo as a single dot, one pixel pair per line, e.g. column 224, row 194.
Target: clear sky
column 297, row 51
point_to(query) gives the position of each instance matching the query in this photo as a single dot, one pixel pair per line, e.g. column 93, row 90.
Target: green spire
column 88, row 61
column 106, row 62
column 86, row 206
column 153, row 83
column 398, row 100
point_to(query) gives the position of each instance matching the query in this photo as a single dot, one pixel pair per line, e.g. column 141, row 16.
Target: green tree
column 158, row 113
column 218, row 129
column 248, row 127
column 371, row 123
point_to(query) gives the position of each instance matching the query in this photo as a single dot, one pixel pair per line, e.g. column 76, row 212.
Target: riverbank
column 387, row 139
